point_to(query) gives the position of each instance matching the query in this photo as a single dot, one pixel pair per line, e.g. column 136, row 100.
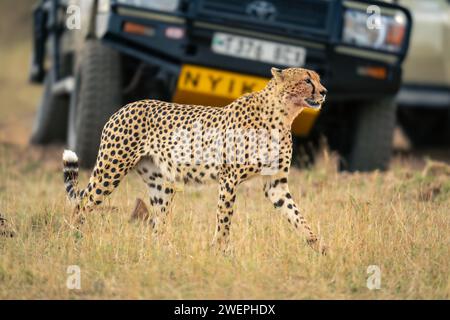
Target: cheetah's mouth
column 313, row 104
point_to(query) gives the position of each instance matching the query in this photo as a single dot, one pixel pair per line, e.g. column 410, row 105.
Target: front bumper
column 425, row 96
column 344, row 70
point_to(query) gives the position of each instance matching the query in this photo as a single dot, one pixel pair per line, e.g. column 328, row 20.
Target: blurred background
column 149, row 45
column 65, row 66
column 18, row 97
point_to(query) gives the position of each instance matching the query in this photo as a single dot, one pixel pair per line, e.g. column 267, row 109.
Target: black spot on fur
column 279, row 203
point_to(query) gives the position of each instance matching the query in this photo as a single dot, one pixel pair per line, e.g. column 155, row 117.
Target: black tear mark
column 313, row 88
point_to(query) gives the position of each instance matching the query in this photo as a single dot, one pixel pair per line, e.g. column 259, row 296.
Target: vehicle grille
column 292, row 16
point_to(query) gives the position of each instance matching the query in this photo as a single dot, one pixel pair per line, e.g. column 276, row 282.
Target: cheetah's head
column 298, row 88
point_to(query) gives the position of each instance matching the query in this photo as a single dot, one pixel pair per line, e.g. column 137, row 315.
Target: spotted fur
column 142, row 137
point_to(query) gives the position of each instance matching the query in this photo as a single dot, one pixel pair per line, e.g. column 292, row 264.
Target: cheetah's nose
column 324, row 92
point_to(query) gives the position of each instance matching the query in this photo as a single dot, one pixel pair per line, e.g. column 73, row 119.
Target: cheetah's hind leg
column 161, row 193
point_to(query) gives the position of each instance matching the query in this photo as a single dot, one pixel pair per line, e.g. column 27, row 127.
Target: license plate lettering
column 221, row 83
column 259, row 50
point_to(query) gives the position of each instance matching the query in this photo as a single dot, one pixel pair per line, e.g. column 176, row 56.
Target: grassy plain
column 397, row 220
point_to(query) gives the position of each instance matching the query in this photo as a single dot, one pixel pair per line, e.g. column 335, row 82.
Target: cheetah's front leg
column 227, row 197
column 277, row 191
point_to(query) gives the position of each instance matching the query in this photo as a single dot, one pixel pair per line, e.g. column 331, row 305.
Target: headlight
column 383, row 32
column 160, row 5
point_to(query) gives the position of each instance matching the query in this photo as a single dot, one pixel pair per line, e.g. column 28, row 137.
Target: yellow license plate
column 220, row 83
column 205, row 86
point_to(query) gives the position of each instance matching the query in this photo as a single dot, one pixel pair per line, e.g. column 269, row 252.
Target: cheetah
column 169, row 144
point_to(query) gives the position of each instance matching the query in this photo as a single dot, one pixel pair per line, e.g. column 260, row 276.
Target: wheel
column 447, row 131
column 96, row 96
column 304, row 151
column 50, row 121
column 372, row 145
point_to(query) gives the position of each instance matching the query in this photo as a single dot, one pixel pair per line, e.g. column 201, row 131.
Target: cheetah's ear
column 277, row 74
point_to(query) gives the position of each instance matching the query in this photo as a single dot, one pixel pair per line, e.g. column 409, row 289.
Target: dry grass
column 392, row 220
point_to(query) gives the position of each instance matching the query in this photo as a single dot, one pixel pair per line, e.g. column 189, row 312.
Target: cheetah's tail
column 70, row 170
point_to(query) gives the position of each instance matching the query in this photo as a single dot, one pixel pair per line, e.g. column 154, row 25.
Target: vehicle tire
column 96, row 96
column 372, row 145
column 50, row 122
column 447, row 133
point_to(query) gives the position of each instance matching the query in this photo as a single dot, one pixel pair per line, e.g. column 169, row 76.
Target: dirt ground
column 397, row 221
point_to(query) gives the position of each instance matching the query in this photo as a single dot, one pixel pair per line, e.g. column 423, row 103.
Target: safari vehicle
column 424, row 98
column 212, row 51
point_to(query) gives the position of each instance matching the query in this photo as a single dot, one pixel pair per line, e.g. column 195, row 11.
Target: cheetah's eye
column 308, row 81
